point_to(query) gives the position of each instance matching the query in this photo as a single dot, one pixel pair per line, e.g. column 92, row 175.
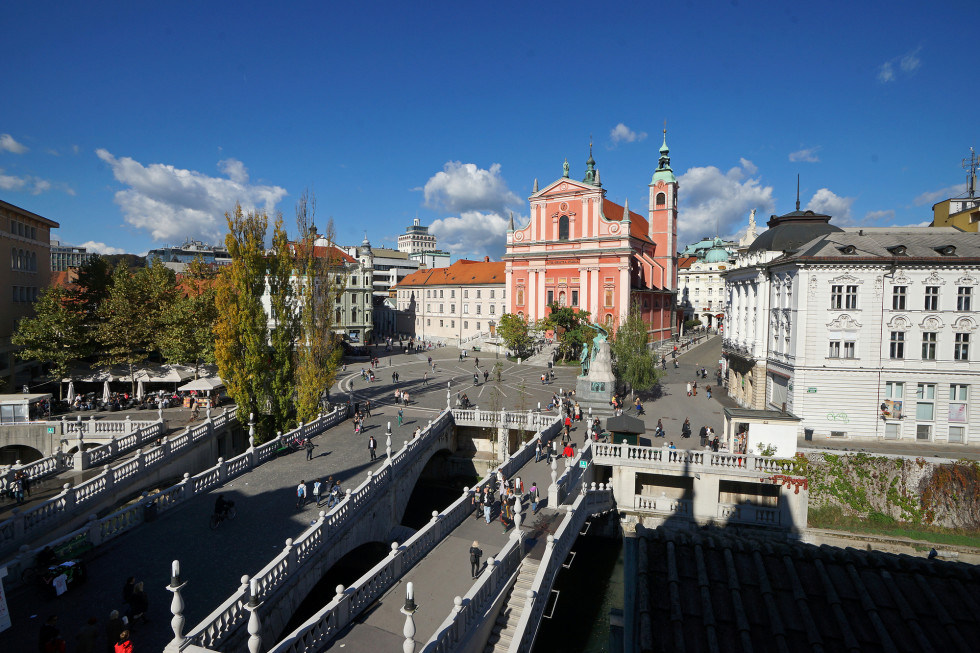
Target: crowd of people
column 116, row 635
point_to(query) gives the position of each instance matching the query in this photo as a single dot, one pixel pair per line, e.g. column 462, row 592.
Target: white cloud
column 101, row 248
column 474, row 234
column 907, row 63
column 877, row 216
column 931, row 197
column 623, row 134
column 29, row 184
column 829, row 203
column 808, row 155
column 460, row 187
column 715, row 202
column 174, row 203
column 8, row 143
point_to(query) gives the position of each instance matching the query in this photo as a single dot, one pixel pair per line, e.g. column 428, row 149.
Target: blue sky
column 139, row 124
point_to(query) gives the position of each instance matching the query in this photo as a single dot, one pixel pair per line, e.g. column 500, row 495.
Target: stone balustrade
column 749, row 514
column 595, row 500
column 691, row 460
column 36, row 470
column 99, row 531
column 530, row 420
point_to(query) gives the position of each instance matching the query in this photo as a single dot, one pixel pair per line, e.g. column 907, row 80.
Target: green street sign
column 811, row 389
column 50, row 429
column 583, row 463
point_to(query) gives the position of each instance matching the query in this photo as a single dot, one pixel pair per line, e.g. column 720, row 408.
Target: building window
column 897, row 347
column 466, row 295
column 452, row 294
column 441, row 294
column 895, row 390
column 428, row 322
column 850, row 349
column 428, row 294
column 466, row 309
column 932, row 298
column 961, row 348
column 491, row 293
column 551, row 297
column 661, row 200
column 574, row 298
column 964, row 297
column 957, row 434
column 338, row 316
column 843, row 297
column 478, row 309
column 440, row 322
column 898, row 298
column 442, row 308
column 478, row 294
column 491, row 309
column 929, row 345
column 925, row 406
column 452, row 324
column 958, row 396
column 561, row 298
column 563, row 228
column 466, row 324
column 609, row 299
column 353, row 315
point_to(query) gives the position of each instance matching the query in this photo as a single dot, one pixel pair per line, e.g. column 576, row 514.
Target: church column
column 542, row 297
column 624, row 294
column 529, row 300
column 583, row 288
column 594, row 295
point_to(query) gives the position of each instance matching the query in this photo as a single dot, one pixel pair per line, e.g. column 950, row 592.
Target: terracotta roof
column 719, row 591
column 64, row 278
column 460, row 273
column 335, row 252
column 686, row 262
column 639, row 227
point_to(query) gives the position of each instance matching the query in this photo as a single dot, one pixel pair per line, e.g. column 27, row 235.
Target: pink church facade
column 582, row 250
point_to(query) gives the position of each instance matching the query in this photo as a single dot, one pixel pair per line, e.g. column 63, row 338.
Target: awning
column 203, row 384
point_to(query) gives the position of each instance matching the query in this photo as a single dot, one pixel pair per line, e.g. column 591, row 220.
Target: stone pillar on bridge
column 79, row 457
column 553, row 488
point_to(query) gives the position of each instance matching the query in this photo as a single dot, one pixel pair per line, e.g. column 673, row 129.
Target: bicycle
column 217, row 518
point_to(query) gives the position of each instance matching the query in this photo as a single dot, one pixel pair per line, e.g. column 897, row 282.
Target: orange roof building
column 583, row 250
column 453, row 304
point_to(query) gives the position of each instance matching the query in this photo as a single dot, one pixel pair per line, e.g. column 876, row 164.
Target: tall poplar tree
column 187, row 336
column 241, row 329
column 283, row 312
column 635, row 364
column 318, row 353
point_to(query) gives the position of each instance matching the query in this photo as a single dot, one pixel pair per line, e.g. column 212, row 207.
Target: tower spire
column 590, row 165
column 797, row 191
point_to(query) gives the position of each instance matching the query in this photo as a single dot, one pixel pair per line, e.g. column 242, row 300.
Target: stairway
column 510, row 614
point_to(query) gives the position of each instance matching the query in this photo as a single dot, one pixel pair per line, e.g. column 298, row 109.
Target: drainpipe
column 881, row 344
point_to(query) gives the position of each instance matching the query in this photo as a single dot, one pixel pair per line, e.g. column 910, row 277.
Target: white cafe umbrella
column 71, row 391
column 139, row 390
column 105, row 392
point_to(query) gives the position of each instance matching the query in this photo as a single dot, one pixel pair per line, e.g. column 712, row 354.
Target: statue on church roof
column 565, row 168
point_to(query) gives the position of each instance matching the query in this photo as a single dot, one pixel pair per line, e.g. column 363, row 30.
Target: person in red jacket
column 124, row 645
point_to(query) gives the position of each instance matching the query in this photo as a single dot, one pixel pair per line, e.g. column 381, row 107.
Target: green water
column 588, row 590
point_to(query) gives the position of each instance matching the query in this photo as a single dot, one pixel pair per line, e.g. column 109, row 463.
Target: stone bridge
column 371, row 512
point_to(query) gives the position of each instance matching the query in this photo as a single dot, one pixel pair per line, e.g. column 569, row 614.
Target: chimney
column 486, row 259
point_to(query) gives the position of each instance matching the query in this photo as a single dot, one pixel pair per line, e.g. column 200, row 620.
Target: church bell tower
column 663, row 217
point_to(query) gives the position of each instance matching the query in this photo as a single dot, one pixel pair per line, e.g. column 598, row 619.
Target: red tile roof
column 332, row 252
column 639, row 227
column 460, row 273
column 686, row 262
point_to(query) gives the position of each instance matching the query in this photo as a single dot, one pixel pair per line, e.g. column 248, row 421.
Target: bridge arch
column 11, row 453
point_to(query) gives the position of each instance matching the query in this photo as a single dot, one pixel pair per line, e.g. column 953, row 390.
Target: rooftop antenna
column 797, row 191
column 971, row 165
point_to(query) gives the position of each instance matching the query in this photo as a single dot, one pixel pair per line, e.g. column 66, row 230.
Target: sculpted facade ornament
column 879, row 282
column 966, row 280
column 932, row 323
column 965, row 325
column 900, row 323
column 934, row 280
column 901, row 280
column 846, row 279
column 845, row 322
column 813, row 285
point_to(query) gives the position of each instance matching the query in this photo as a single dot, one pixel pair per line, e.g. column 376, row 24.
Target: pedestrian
column 337, row 492
column 487, row 503
column 534, row 498
column 49, row 632
column 398, row 394
column 113, row 627
column 568, row 452
column 124, row 644
column 401, row 415
column 707, row 389
column 537, row 451
column 688, row 388
column 475, row 555
column 703, row 435
column 127, row 591
column 316, row 491
column 660, row 433
column 301, row 494
column 309, row 449
column 139, row 603
column 475, row 501
column 367, row 407
column 425, row 378
column 373, row 447
column 86, row 636
column 486, row 375
column 695, row 388
column 476, row 379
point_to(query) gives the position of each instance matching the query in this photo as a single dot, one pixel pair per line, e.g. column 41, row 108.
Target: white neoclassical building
column 863, row 333
column 701, row 282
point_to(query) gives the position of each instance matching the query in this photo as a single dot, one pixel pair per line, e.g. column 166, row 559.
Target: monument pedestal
column 595, row 389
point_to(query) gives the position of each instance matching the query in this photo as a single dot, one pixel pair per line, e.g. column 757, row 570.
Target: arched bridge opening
column 11, row 453
column 343, row 572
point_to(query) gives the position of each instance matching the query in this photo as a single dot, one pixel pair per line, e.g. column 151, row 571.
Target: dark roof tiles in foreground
column 713, row 591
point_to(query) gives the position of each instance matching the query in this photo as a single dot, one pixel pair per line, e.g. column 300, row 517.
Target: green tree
column 516, row 334
column 318, row 353
column 283, row 311
column 90, row 289
column 131, row 315
column 570, row 329
column 187, row 336
column 55, row 335
column 241, row 329
column 635, row 363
